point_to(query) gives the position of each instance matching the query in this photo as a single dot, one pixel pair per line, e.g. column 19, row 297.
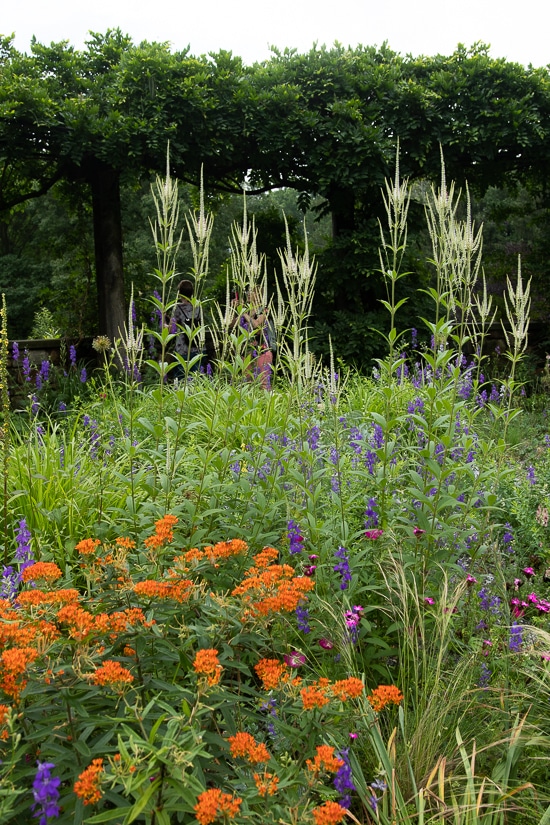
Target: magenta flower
column 353, row 735
column 418, row 532
column 429, row 600
column 470, row 580
column 326, row 644
column 294, row 659
column 310, row 570
column 372, row 535
column 528, row 572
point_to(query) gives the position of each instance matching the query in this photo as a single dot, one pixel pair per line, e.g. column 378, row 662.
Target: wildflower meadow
column 313, row 597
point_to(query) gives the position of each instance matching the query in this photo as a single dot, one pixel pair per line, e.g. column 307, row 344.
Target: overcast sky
column 518, row 31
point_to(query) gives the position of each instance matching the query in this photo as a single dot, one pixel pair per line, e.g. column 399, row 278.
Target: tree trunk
column 105, row 185
column 342, row 207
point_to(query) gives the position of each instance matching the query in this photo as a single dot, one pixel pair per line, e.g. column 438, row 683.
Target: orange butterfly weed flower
column 348, row 688
column 87, row 547
column 315, row 696
column 266, row 783
column 225, row 549
column 31, row 598
column 385, row 695
column 127, row 543
column 5, row 712
column 111, row 674
column 46, row 571
column 206, row 663
column 271, row 672
column 329, row 813
column 88, row 784
column 163, row 532
column 13, row 663
column 265, row 557
column 245, row 746
column 82, row 624
column 178, row 591
column 213, row 802
column 324, row 760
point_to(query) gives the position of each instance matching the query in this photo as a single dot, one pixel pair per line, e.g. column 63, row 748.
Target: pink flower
column 353, row 735
column 310, row 570
column 326, row 644
column 533, row 598
column 429, row 600
column 528, row 572
column 418, row 532
column 373, row 534
column 313, row 557
column 470, row 580
column 545, row 657
column 517, row 584
column 294, row 659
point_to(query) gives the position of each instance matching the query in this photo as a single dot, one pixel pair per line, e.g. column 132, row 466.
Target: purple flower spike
column 295, row 537
column 45, row 790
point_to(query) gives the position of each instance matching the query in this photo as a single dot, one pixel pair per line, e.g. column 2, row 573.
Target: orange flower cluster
column 112, row 673
column 87, row 547
column 163, row 532
column 272, row 588
column 16, row 633
column 81, row 623
column 244, row 745
column 13, row 663
column 213, row 802
column 347, row 688
column 31, row 598
column 315, row 696
column 324, row 760
column 321, row 692
column 178, row 590
column 271, row 672
column 127, row 543
column 41, row 571
column 385, row 695
column 88, row 784
column 329, row 813
column 225, row 549
column 5, row 711
column 206, row 662
column 265, row 557
column 213, row 554
column 266, row 783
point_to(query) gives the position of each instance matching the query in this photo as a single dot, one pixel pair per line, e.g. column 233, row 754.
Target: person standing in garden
column 259, row 322
column 185, row 322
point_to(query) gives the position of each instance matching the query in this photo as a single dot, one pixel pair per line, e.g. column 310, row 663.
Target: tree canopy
column 325, row 123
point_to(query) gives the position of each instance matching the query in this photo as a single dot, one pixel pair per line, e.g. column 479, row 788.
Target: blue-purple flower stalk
column 342, row 568
column 295, row 537
column 12, row 576
column 302, row 616
column 343, row 780
column 45, row 790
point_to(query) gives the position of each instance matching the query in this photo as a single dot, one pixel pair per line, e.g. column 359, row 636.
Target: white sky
column 518, row 31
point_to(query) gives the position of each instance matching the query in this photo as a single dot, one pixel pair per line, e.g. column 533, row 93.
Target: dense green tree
column 104, row 116
column 325, row 124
